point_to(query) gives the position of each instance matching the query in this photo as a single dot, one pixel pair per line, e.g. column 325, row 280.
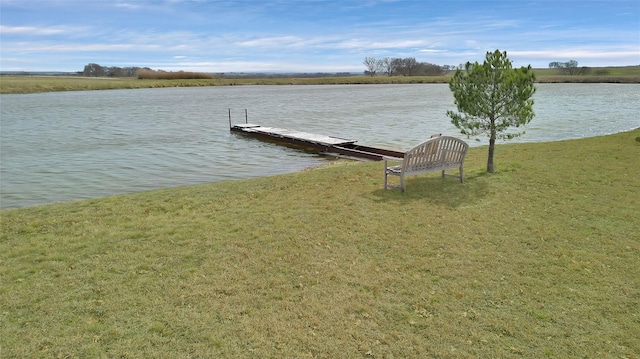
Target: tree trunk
column 492, row 142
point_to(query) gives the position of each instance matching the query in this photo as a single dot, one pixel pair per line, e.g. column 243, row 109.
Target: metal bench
column 439, row 153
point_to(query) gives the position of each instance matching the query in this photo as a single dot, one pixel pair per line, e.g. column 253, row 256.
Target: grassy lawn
column 540, row 259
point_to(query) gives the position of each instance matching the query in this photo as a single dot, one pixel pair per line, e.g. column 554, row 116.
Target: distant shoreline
column 22, row 84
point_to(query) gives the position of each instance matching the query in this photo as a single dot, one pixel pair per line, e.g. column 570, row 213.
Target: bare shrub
column 170, row 75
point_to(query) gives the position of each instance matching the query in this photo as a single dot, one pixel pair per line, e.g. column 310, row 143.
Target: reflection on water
column 69, row 145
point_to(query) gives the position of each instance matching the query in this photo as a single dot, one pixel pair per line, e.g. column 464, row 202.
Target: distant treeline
column 408, row 66
column 96, row 70
column 570, row 68
column 146, row 74
column 386, row 67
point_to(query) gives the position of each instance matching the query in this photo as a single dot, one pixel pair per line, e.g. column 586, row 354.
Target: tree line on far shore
column 569, row 68
column 95, row 70
column 411, row 67
column 373, row 67
column 408, row 66
column 389, row 66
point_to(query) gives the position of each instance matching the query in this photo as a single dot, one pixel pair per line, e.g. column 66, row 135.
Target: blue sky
column 311, row 36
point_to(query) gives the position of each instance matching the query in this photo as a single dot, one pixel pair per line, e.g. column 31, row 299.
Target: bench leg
column 461, row 175
column 402, row 182
column 385, row 174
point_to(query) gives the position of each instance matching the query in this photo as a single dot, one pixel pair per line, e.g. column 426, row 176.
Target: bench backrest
column 435, row 152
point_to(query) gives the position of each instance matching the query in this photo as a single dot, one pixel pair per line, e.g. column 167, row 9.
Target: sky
column 294, row 36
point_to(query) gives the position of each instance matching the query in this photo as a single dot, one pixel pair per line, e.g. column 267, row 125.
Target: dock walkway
column 292, row 134
column 323, row 144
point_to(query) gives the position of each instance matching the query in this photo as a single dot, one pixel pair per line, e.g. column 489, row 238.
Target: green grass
column 33, row 84
column 537, row 260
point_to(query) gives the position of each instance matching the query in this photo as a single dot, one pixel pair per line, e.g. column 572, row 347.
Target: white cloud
column 31, row 30
column 130, row 6
column 432, row 51
column 278, row 35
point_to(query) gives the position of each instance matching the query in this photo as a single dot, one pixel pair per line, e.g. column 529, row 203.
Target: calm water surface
column 64, row 146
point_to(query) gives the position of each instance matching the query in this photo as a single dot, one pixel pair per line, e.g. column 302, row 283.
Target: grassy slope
column 33, row 84
column 537, row 260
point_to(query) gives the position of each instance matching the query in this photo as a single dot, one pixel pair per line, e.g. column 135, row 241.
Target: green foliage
column 492, row 98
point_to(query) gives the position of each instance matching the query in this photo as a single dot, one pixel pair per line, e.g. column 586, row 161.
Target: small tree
column 372, row 66
column 491, row 98
column 569, row 68
column 388, row 66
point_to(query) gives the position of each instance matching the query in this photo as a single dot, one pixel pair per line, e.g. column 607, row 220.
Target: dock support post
column 230, row 119
column 246, row 117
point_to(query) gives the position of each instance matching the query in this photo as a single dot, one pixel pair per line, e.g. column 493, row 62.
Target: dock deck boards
column 297, row 135
column 324, row 144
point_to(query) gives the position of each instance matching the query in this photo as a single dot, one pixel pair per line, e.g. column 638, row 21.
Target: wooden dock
column 323, row 144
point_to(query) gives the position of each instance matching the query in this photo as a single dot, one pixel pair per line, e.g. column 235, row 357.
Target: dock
column 327, row 145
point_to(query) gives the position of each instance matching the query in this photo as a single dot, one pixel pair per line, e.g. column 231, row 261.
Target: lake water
column 63, row 146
